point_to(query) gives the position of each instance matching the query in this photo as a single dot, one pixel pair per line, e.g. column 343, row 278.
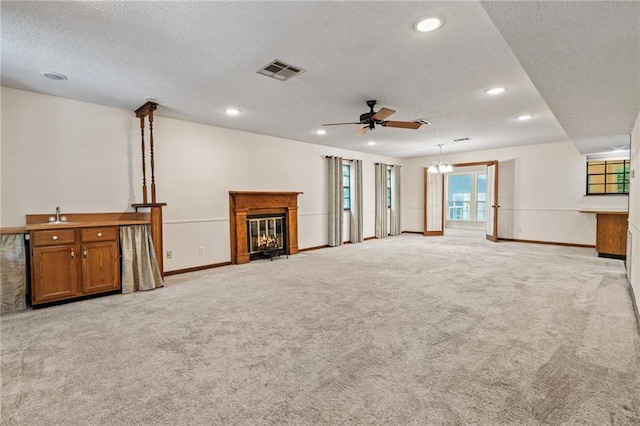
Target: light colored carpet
column 405, row 330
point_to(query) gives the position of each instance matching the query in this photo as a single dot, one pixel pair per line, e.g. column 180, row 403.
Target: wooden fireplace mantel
column 243, row 204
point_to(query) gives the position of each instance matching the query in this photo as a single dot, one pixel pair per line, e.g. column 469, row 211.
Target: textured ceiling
column 573, row 65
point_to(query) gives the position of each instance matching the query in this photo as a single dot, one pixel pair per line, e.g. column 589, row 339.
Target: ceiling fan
column 371, row 118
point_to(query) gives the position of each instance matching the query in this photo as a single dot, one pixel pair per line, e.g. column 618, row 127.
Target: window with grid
column 346, row 186
column 481, row 197
column 459, row 197
column 608, row 177
column 467, row 197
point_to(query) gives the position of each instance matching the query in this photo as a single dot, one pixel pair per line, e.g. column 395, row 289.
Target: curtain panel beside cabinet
column 13, row 267
column 140, row 269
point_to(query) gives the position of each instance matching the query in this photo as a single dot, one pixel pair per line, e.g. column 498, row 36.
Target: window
column 346, row 186
column 608, row 177
column 459, row 197
column 481, row 197
column 467, row 196
column 389, row 187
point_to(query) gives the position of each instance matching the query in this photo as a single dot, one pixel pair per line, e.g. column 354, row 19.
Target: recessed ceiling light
column 428, row 24
column 232, row 111
column 525, row 117
column 152, row 99
column 371, row 143
column 495, row 91
column 321, row 132
column 622, row 148
column 53, row 75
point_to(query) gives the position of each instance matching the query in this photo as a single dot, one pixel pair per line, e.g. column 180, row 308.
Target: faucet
column 57, row 218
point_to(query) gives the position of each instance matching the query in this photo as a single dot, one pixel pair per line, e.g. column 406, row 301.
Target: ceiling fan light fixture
column 426, row 25
column 372, row 118
column 495, row 90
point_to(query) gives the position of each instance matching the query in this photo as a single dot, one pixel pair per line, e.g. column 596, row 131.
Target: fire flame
column 266, row 241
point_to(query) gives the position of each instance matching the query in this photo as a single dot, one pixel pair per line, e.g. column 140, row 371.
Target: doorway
column 466, row 203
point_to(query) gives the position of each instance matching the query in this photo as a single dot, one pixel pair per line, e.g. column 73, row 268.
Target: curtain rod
column 390, row 165
column 349, row 159
column 344, row 159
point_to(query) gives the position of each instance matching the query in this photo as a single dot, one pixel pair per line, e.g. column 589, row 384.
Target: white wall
column 541, row 191
column 633, row 251
column 57, row 152
column 86, row 158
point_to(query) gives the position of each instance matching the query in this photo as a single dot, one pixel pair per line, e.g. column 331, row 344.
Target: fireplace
column 266, row 236
column 245, row 206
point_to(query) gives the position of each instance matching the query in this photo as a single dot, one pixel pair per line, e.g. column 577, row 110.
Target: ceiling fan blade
column 402, row 124
column 382, row 114
column 339, row 124
column 363, row 131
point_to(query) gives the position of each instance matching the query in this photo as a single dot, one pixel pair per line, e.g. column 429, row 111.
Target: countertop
column 39, row 222
column 87, row 224
column 604, row 211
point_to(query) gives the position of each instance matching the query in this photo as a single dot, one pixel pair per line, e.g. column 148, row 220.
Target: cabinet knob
column 72, row 254
column 55, row 237
column 99, row 234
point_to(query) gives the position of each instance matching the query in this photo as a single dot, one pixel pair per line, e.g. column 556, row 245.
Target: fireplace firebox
column 266, row 236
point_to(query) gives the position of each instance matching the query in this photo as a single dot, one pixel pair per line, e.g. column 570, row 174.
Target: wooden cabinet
column 70, row 263
column 54, row 274
column 611, row 234
column 100, row 259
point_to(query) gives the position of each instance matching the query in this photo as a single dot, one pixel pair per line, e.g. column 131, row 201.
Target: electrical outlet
column 200, row 250
column 519, row 229
column 169, row 254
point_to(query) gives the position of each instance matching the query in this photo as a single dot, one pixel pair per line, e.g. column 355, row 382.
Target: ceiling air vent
column 280, row 70
column 462, row 139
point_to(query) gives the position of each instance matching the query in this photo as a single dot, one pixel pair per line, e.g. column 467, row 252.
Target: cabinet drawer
column 53, row 237
column 106, row 233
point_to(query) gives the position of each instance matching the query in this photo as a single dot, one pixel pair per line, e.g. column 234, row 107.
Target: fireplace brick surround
column 243, row 204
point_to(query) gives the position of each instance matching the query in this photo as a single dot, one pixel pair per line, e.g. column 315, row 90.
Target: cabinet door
column 100, row 267
column 54, row 273
column 611, row 234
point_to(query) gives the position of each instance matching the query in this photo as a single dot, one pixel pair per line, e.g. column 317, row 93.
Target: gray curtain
column 355, row 227
column 140, row 269
column 13, row 287
column 336, row 196
column 381, row 200
column 395, row 228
